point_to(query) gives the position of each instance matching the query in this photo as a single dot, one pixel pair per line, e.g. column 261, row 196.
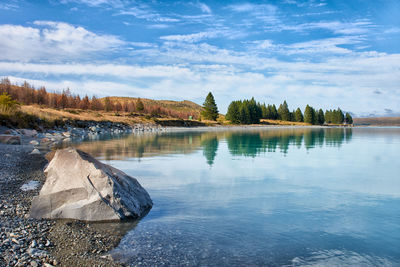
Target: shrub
column 7, row 104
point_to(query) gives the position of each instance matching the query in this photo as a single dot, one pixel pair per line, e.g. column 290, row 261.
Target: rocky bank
column 30, row 242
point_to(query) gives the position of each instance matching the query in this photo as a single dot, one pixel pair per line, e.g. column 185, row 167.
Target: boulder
column 28, row 132
column 10, row 139
column 80, row 187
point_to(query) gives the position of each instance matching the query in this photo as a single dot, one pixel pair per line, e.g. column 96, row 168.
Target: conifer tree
column 283, row 111
column 233, row 113
column 309, row 115
column 349, row 119
column 210, row 109
column 321, row 117
column 298, row 115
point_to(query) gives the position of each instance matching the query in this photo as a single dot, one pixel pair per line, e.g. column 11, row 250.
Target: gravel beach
column 31, row 242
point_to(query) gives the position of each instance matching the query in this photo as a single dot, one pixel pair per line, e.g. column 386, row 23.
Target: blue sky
column 323, row 53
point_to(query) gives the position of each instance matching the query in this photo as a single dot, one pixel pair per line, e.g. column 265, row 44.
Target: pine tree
column 349, row 119
column 321, row 117
column 309, row 115
column 298, row 115
column 210, row 109
column 283, row 111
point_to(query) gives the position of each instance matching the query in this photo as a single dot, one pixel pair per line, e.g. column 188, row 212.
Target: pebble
column 34, row 142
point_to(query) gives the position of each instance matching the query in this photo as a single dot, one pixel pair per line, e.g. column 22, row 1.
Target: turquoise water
column 263, row 197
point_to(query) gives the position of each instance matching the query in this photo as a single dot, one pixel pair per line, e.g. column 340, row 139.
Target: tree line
column 27, row 94
column 251, row 112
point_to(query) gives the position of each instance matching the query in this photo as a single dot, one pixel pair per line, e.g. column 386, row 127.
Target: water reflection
column 249, row 143
column 263, row 197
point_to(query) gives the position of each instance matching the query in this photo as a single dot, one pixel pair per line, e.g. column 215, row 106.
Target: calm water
column 275, row 197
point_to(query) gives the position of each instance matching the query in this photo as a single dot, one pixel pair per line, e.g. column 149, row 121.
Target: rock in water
column 80, row 187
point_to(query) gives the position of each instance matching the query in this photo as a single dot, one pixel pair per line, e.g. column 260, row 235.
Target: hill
column 377, row 121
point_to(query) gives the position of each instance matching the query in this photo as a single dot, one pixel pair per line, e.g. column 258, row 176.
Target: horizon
column 327, row 54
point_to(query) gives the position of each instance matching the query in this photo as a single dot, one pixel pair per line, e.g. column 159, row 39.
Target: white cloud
column 264, row 12
column 191, row 38
column 52, row 40
column 337, row 27
column 204, row 8
column 348, row 82
column 11, row 5
column 96, row 3
column 144, row 12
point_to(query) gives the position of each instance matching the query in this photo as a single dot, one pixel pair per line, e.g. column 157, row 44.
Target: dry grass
column 184, row 105
column 279, row 122
column 85, row 115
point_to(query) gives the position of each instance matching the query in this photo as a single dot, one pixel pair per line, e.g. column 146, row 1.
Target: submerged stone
column 80, row 187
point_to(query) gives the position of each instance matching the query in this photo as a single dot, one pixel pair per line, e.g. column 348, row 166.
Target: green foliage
column 321, row 117
column 334, row 116
column 309, row 115
column 210, row 109
column 269, row 112
column 349, row 118
column 298, row 116
column 233, row 113
column 139, row 105
column 7, row 104
column 244, row 112
column 283, row 111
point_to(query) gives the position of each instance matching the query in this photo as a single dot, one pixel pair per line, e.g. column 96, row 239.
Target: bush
column 7, row 104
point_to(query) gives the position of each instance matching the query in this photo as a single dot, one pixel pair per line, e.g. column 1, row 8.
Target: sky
column 324, row 53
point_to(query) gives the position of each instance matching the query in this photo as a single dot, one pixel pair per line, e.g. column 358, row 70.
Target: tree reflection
column 249, row 143
column 210, row 147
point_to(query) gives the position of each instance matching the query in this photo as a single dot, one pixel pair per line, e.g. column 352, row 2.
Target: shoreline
column 26, row 241
column 62, row 242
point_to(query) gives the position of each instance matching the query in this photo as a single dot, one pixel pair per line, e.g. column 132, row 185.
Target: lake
column 262, row 196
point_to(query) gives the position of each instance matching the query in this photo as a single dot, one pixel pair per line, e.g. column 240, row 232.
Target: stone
column 28, row 132
column 80, row 187
column 34, row 142
column 35, row 152
column 45, row 140
column 11, row 131
column 10, row 139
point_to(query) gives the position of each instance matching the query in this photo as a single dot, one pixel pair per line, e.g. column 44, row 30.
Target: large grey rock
column 10, row 139
column 80, row 187
column 28, row 132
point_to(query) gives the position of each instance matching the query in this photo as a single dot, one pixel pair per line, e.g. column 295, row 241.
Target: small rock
column 33, row 244
column 34, row 142
column 10, row 139
column 34, row 264
column 35, row 152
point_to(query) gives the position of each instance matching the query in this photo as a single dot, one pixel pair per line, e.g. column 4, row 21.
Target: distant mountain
column 378, row 121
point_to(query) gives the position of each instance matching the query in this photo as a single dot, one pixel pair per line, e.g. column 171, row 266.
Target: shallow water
column 276, row 197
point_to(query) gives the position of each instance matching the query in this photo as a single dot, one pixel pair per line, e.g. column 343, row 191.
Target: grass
column 279, row 122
